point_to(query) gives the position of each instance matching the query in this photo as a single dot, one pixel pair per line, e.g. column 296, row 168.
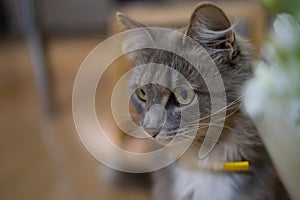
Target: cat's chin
column 164, row 140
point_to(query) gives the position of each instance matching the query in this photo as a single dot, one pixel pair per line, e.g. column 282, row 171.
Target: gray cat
column 239, row 140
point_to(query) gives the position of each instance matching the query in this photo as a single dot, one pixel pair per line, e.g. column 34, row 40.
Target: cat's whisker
column 226, row 108
column 196, row 140
column 194, row 123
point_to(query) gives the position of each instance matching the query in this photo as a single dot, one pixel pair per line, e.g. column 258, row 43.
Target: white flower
column 287, row 31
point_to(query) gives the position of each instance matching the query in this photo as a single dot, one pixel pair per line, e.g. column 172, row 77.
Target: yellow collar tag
column 236, row 166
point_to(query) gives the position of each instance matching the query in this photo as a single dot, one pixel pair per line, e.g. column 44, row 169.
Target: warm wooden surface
column 42, row 159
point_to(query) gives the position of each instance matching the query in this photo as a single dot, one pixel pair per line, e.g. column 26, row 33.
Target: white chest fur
column 198, row 185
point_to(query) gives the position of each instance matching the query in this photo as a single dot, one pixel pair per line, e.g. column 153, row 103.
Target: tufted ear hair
column 137, row 38
column 210, row 26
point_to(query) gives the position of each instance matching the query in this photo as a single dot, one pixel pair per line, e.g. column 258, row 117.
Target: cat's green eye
column 141, row 94
column 184, row 96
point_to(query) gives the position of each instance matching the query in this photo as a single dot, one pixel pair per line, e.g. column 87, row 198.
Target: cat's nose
column 154, row 119
column 152, row 131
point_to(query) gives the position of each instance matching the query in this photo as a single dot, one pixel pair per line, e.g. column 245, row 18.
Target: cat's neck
column 238, row 142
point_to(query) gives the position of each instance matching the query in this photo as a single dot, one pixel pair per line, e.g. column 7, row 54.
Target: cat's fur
column 192, row 178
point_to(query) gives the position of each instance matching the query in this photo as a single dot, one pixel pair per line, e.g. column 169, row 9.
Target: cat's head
column 158, row 108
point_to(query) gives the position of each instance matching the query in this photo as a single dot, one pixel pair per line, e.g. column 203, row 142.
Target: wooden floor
column 43, row 158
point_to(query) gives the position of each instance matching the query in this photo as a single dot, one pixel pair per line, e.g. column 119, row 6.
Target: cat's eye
column 184, row 96
column 141, row 94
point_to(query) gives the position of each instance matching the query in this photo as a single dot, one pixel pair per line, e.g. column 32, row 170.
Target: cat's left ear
column 210, row 26
column 139, row 37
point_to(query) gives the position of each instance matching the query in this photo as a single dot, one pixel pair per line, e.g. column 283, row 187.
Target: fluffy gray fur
column 191, row 178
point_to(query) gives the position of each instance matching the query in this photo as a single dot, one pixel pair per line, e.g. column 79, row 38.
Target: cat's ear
column 210, row 26
column 138, row 38
column 127, row 22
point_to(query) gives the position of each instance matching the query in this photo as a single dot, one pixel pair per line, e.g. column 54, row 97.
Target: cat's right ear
column 139, row 36
column 211, row 27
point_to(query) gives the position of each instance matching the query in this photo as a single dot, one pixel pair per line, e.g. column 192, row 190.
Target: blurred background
column 42, row 44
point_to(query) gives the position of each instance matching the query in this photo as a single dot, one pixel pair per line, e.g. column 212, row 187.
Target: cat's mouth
column 160, row 138
column 152, row 132
column 158, row 135
column 164, row 137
